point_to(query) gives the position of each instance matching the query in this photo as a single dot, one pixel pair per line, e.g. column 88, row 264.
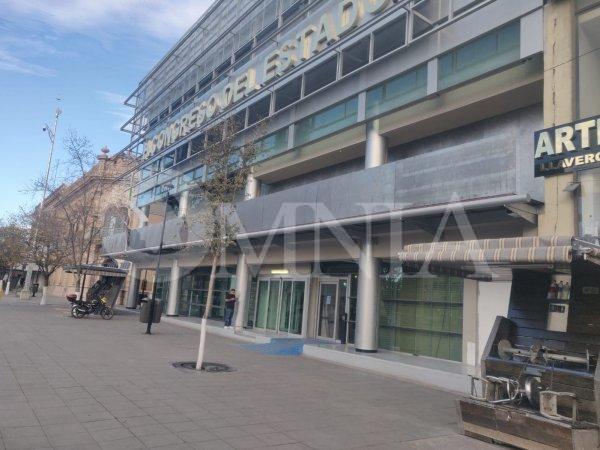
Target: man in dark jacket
column 230, row 300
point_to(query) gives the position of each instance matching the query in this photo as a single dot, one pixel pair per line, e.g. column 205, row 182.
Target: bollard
column 7, row 288
column 44, row 294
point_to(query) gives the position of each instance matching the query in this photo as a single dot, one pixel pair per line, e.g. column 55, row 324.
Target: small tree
column 13, row 247
column 46, row 245
column 228, row 167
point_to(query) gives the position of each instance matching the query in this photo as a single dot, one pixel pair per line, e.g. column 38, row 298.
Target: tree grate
column 206, row 367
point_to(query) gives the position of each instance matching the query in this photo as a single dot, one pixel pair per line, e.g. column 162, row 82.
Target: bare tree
column 45, row 240
column 13, row 247
column 80, row 206
column 228, row 166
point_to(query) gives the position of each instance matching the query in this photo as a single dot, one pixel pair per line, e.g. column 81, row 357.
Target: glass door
column 291, row 306
column 280, row 305
column 273, row 308
column 328, row 310
column 285, row 306
column 297, row 307
column 262, row 304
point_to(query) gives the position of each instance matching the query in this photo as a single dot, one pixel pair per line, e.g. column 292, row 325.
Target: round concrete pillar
column 251, row 187
column 183, row 203
column 173, row 290
column 367, row 303
column 132, row 290
column 242, row 276
column 376, row 147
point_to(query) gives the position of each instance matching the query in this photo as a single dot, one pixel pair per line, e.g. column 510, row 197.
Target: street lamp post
column 52, row 136
column 152, row 304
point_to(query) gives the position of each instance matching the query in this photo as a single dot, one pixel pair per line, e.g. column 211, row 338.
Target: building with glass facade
column 388, row 123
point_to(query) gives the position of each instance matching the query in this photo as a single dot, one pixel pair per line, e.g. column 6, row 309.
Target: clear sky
column 89, row 53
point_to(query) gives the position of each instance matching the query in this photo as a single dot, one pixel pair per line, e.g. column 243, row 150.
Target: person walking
column 230, row 300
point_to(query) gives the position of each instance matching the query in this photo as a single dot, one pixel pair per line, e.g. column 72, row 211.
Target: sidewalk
column 96, row 384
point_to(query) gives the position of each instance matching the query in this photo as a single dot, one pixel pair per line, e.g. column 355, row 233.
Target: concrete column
column 367, row 303
column 376, row 149
column 132, row 291
column 173, row 290
column 183, row 203
column 252, row 185
column 242, row 276
column 559, row 214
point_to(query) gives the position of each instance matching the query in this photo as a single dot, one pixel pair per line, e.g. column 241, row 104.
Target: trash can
column 145, row 311
column 34, row 289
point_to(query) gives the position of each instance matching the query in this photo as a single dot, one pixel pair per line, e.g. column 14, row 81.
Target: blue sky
column 89, row 53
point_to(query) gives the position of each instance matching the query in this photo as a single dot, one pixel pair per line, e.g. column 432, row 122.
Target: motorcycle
column 79, row 308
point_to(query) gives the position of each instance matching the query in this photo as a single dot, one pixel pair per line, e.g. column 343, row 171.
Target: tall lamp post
column 152, row 304
column 52, row 135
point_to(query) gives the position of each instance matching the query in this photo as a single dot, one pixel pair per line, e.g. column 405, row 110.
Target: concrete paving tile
column 137, row 421
column 122, row 444
column 230, row 432
column 170, row 418
column 112, row 434
column 258, row 429
column 76, row 440
column 26, row 442
column 100, row 425
column 197, row 436
column 245, row 442
column 160, row 440
column 182, row 426
column 148, row 430
column 292, row 447
column 273, row 439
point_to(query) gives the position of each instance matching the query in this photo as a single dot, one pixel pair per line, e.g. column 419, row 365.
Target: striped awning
column 523, row 250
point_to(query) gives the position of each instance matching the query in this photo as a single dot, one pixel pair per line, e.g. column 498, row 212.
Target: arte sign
column 310, row 41
column 567, row 148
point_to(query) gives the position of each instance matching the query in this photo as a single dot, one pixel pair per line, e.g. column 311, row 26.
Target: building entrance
column 337, row 310
column 280, row 305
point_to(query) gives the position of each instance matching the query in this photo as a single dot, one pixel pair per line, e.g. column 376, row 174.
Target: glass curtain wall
column 194, row 292
column 422, row 316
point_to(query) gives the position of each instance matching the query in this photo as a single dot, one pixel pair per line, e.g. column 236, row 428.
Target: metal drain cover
column 206, row 367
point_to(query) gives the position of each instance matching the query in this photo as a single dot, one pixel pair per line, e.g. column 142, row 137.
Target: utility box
column 145, row 311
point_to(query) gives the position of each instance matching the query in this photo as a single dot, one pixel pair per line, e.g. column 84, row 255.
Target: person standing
column 230, row 300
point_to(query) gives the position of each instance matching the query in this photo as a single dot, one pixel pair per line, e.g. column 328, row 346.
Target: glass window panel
column 425, row 314
column 167, row 161
column 272, row 145
column 429, row 13
column 259, row 110
column 386, row 338
column 390, row 37
column 397, row 92
column 483, row 55
column 320, row 76
column 288, row 94
column 181, row 153
column 327, row 121
column 355, row 56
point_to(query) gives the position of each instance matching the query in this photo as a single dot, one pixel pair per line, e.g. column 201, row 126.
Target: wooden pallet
column 523, row 428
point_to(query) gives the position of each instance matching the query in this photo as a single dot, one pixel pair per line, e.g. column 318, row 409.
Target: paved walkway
column 90, row 383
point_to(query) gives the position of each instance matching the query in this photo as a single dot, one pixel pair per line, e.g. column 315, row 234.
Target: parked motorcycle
column 80, row 309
